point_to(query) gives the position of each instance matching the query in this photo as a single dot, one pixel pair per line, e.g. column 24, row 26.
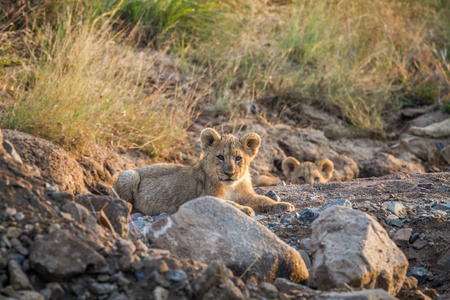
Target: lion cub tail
column 127, row 184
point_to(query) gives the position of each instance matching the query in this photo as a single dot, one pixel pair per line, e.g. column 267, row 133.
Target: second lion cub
column 222, row 172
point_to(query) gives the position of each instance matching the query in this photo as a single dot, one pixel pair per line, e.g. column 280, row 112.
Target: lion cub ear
column 288, row 166
column 209, row 138
column 326, row 166
column 251, row 143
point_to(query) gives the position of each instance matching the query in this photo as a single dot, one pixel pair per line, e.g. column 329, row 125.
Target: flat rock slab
column 59, row 255
column 209, row 229
column 377, row 294
column 351, row 248
column 116, row 210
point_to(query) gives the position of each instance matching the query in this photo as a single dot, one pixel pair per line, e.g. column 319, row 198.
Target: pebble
column 268, row 290
column 259, row 218
column 444, row 261
column 398, row 209
column 102, row 288
column 444, row 207
column 272, row 195
column 62, row 196
column 420, row 273
column 401, row 237
column 13, row 232
column 176, row 275
column 397, row 223
column 414, row 237
column 19, row 216
column 160, row 293
column 10, row 211
column 17, row 277
column 29, row 295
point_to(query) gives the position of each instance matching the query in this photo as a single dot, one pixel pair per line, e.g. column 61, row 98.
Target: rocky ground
column 63, row 234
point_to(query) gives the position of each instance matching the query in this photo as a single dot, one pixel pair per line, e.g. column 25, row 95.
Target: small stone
column 78, row 212
column 17, row 276
column 8, row 291
column 419, row 244
column 305, row 258
column 66, row 216
column 19, row 216
column 414, row 237
column 103, row 278
column 286, row 286
column 176, row 275
column 397, row 223
column 13, row 232
column 102, row 288
column 433, row 204
column 160, row 293
column 306, row 243
column 401, row 237
column 444, row 207
column 56, row 292
column 420, row 273
column 308, row 215
column 341, row 202
column 29, row 295
column 118, row 296
column 272, row 195
column 268, row 289
column 281, row 183
column 62, row 196
column 10, row 211
column 444, row 261
column 398, row 209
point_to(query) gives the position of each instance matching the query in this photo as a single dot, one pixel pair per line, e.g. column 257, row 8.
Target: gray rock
column 306, row 243
column 59, row 255
column 28, row 295
column 227, row 234
column 444, row 207
column 53, row 291
column 272, row 195
column 401, row 237
column 215, row 275
column 421, row 274
column 102, row 288
column 286, row 286
column 117, row 210
column 398, row 209
column 17, row 277
column 308, row 215
column 78, row 212
column 305, row 258
column 13, row 232
column 160, row 293
column 378, row 294
column 351, row 248
column 62, row 196
column 444, row 261
column 268, row 289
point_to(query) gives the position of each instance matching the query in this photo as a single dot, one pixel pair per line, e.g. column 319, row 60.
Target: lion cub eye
column 238, row 159
column 220, row 157
column 316, row 179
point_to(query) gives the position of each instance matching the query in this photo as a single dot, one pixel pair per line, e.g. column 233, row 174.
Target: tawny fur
column 307, row 172
column 265, row 180
column 222, row 172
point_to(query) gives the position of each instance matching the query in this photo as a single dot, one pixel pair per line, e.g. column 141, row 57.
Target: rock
column 269, row 290
column 117, row 210
column 59, row 255
column 160, row 293
column 401, row 237
column 53, row 291
column 78, row 212
column 444, row 261
column 420, row 273
column 306, row 243
column 350, row 247
column 286, row 286
column 62, row 196
column 414, row 237
column 272, row 195
column 308, row 215
column 378, row 294
column 102, row 288
column 444, row 207
column 13, row 232
column 10, row 149
column 29, row 295
column 215, row 275
column 305, row 258
column 17, row 277
column 398, row 209
column 419, row 244
column 54, row 163
column 219, row 231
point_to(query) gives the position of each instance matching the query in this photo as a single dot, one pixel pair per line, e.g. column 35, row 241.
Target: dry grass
column 362, row 60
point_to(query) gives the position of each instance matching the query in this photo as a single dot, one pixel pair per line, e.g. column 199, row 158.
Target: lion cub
column 222, row 172
column 307, row 172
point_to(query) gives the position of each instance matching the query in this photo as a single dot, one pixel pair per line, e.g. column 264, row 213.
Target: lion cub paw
column 282, row 206
column 247, row 210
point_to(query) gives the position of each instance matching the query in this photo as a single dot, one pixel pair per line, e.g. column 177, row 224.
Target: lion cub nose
column 229, row 173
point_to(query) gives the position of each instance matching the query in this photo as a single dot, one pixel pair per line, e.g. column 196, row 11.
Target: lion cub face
column 227, row 157
column 307, row 172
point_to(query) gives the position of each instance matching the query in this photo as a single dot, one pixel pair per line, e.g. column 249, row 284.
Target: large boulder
column 209, row 229
column 60, row 255
column 116, row 210
column 351, row 248
column 53, row 162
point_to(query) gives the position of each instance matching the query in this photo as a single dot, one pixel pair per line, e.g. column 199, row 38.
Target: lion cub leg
column 265, row 204
column 245, row 209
